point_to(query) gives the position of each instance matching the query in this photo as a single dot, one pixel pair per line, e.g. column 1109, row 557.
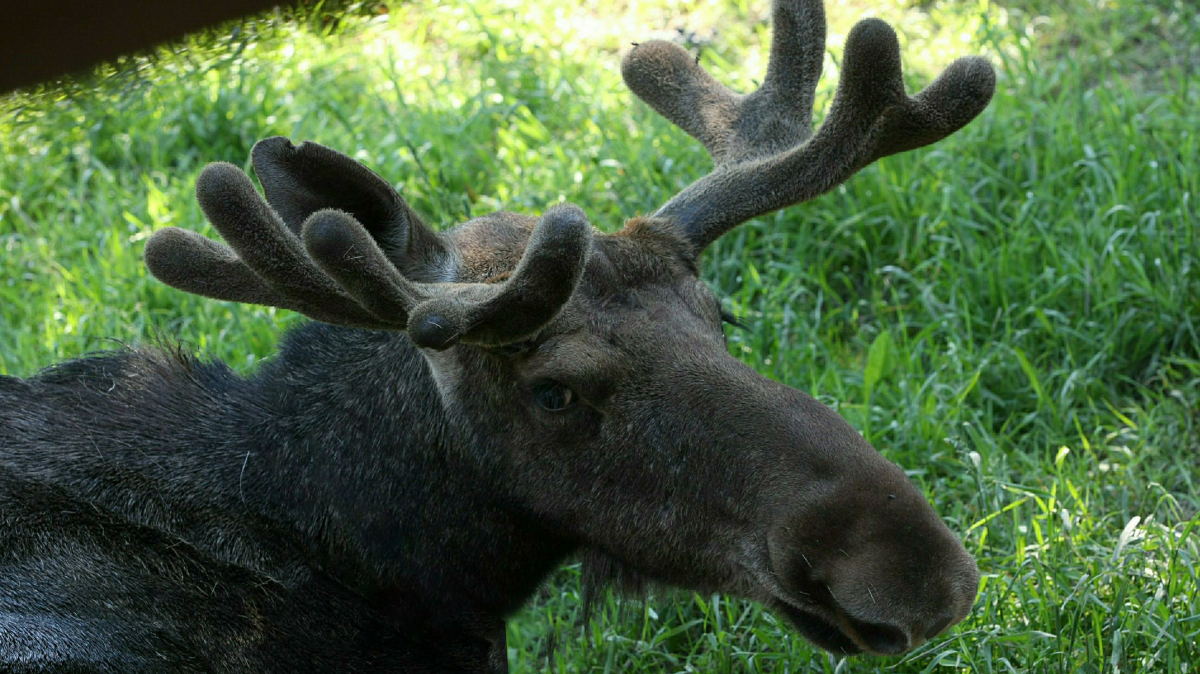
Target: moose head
column 590, row 371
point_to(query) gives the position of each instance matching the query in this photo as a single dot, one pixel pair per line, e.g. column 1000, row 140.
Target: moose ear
column 300, row 180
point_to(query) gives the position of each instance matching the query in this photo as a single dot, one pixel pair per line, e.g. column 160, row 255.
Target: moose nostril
column 883, row 639
column 937, row 627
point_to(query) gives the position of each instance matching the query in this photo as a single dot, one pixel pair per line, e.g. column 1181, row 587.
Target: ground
column 1011, row 315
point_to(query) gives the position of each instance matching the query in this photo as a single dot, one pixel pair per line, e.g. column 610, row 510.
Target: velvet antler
column 324, row 263
column 764, row 152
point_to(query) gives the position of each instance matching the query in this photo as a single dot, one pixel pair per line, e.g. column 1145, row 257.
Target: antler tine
column 664, row 75
column 266, row 265
column 199, row 265
column 733, row 127
column 341, row 246
column 764, row 153
column 796, row 59
column 299, row 180
column 335, row 271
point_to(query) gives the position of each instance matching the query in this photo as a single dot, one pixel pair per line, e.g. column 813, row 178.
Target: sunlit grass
column 1011, row 315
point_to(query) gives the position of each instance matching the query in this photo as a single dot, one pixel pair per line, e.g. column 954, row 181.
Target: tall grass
column 1011, row 315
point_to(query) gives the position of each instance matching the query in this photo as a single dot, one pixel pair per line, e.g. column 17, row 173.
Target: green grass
column 1012, row 315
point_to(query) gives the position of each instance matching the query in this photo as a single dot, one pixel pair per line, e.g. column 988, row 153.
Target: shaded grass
column 1011, row 315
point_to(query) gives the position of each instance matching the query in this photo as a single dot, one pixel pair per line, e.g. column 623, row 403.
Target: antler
column 325, row 264
column 764, row 152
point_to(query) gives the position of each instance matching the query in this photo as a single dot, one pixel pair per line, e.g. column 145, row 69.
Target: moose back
column 468, row 409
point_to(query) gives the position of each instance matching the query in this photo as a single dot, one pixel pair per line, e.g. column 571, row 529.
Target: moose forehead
column 643, row 267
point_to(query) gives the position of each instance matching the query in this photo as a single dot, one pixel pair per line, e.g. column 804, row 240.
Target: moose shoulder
column 469, row 409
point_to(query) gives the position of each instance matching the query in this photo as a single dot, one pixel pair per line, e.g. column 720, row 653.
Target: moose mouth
column 817, row 629
column 845, row 635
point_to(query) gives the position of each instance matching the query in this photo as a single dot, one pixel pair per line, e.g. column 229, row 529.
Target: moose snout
column 876, row 574
column 901, row 612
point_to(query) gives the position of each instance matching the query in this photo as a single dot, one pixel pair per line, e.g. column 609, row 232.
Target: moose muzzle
column 869, row 566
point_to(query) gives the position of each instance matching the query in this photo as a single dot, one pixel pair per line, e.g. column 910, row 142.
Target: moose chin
column 469, row 408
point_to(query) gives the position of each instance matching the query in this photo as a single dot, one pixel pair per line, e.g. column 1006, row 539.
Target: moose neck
column 359, row 452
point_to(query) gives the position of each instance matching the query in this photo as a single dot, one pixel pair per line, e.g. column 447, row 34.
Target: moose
column 468, row 409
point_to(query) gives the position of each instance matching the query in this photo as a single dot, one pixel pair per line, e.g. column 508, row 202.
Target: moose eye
column 554, row 397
